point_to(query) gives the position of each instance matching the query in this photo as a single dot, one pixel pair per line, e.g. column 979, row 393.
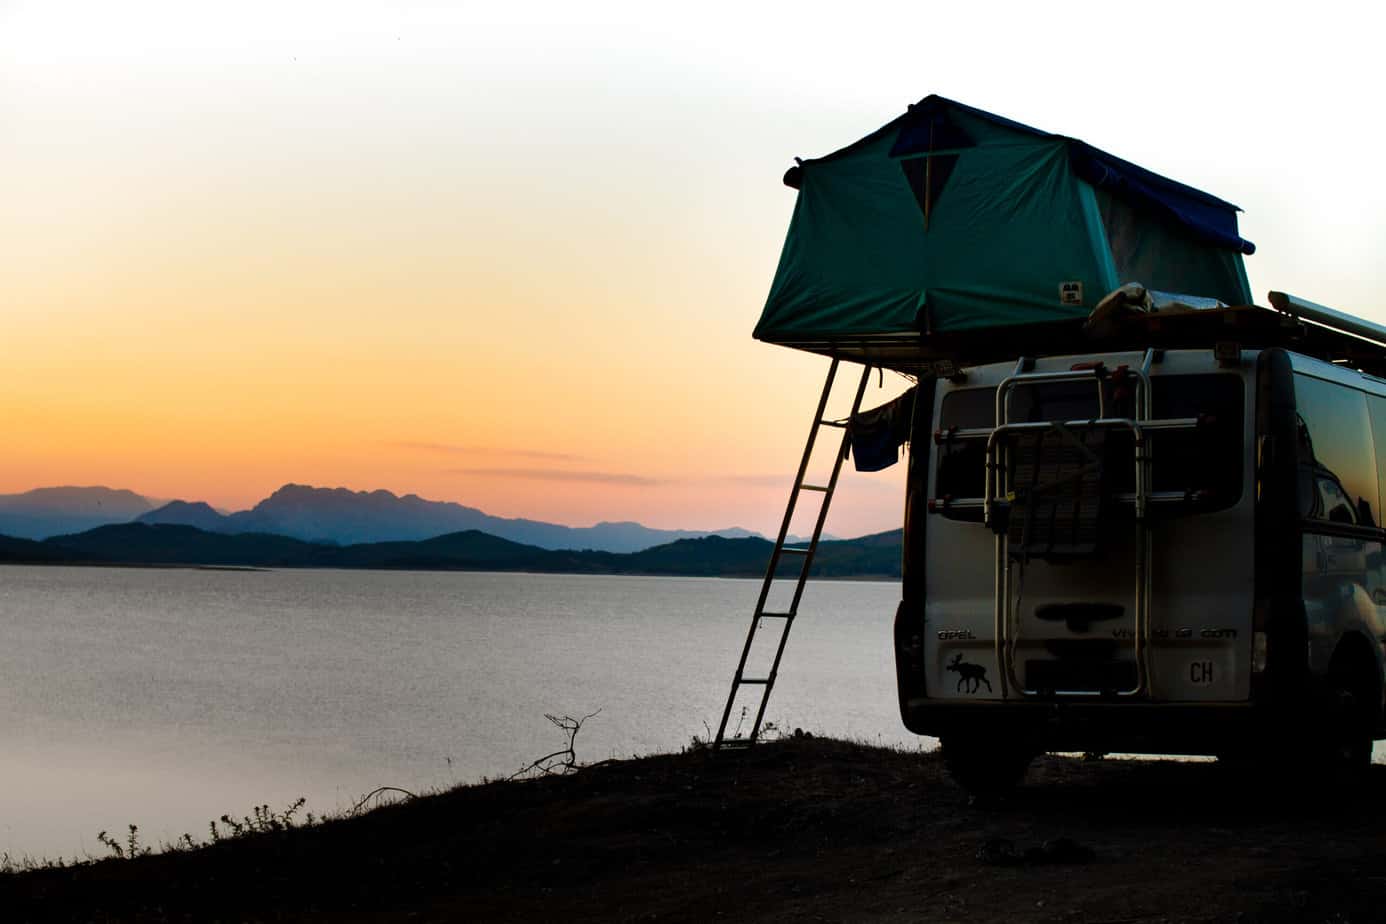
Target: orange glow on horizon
column 512, row 258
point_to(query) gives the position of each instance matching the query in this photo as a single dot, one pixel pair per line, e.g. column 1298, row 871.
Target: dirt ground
column 797, row 830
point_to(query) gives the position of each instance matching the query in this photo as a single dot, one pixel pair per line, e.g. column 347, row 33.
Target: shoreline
column 160, row 566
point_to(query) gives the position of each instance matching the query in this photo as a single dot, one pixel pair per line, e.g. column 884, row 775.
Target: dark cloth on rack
column 877, row 435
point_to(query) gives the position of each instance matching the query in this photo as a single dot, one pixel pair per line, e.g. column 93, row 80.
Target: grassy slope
column 798, row 830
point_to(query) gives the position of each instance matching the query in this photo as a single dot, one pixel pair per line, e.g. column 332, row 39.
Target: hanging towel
column 877, row 435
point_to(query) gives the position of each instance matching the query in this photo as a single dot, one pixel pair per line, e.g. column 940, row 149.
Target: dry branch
column 562, row 761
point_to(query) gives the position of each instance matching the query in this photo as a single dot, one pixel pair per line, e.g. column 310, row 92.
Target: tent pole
column 928, row 175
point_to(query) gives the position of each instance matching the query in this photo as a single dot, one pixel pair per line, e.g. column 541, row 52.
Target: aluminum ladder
column 785, row 618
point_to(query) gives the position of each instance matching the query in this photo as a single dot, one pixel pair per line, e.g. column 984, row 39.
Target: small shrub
column 28, row 864
column 130, row 850
column 261, row 820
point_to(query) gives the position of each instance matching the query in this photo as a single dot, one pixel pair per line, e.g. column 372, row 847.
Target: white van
column 1148, row 550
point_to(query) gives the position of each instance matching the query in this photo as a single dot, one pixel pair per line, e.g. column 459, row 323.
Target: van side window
column 1337, row 460
column 962, row 466
column 1054, row 401
column 1209, row 458
column 1376, row 409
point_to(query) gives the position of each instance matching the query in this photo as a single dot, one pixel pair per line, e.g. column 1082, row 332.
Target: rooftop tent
column 950, row 219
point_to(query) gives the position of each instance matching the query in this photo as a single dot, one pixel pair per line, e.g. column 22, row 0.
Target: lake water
column 166, row 698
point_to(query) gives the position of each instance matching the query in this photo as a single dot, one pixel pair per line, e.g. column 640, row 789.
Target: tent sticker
column 1071, row 293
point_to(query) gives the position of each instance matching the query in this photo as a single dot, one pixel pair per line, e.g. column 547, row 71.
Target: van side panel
column 1342, row 570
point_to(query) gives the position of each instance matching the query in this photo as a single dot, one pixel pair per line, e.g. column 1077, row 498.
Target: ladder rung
column 833, row 423
column 814, row 487
column 755, row 681
column 775, row 615
column 796, row 551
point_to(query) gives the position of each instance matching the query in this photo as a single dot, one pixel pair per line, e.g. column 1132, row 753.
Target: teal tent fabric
column 952, row 219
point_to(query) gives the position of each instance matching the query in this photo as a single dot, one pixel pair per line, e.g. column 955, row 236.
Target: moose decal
column 971, row 675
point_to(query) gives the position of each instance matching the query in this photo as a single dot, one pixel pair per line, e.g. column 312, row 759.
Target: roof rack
column 1293, row 323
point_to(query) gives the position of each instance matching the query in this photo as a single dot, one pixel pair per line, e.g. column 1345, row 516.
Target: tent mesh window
column 1161, row 255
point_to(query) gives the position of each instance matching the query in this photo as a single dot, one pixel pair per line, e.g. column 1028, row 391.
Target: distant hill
column 183, row 513
column 46, row 512
column 468, row 550
column 27, row 551
column 344, row 517
column 169, row 544
column 715, row 556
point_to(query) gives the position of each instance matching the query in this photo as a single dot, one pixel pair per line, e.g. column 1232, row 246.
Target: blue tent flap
column 1207, row 217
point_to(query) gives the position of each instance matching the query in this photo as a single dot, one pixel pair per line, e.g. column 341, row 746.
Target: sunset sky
column 514, row 259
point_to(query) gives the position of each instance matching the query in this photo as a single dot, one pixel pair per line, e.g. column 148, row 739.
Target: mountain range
column 320, row 515
column 45, row 512
column 173, row 544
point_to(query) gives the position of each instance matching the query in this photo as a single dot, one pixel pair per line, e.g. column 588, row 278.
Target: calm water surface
column 168, row 697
